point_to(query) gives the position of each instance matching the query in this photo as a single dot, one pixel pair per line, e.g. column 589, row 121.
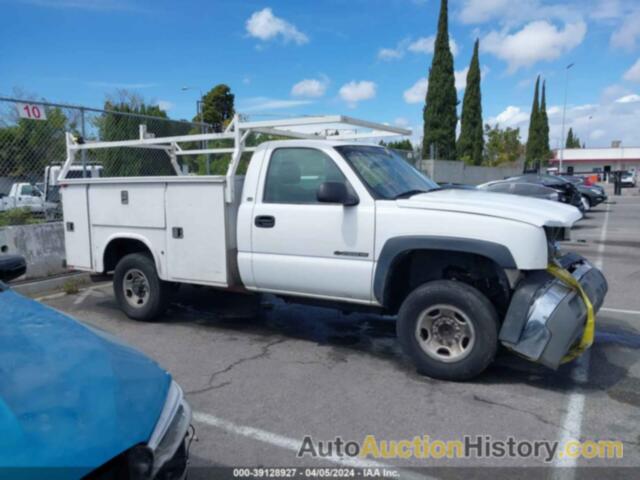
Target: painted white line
column 82, row 296
column 292, row 444
column 50, row 297
column 82, row 290
column 618, row 310
column 572, row 423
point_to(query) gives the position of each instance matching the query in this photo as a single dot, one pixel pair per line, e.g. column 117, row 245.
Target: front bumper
column 547, row 317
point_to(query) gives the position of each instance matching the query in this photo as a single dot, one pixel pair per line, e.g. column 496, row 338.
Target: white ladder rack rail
column 238, row 131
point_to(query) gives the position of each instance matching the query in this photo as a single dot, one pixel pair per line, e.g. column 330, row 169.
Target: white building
column 601, row 160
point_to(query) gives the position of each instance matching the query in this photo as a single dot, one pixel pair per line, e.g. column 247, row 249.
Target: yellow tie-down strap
column 589, row 330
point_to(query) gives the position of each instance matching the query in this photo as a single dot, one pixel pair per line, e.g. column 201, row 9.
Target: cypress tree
column 533, row 142
column 570, row 140
column 471, row 141
column 440, row 115
column 544, row 125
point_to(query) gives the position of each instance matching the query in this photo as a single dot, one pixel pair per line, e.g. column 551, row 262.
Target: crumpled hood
column 70, row 397
column 512, row 207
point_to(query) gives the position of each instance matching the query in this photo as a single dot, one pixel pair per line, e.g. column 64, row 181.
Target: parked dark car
column 567, row 191
column 525, row 189
column 591, row 195
column 75, row 402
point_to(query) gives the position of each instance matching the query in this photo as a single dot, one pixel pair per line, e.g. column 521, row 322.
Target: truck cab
column 352, row 225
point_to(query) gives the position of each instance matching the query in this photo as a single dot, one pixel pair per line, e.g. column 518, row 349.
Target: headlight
column 554, row 196
column 171, row 428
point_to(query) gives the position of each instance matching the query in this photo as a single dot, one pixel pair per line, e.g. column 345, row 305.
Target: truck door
column 302, row 246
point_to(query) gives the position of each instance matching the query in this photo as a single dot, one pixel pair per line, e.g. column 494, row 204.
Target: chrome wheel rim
column 445, row 333
column 136, row 288
column 585, row 204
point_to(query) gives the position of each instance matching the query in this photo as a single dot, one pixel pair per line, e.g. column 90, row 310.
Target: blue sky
column 365, row 58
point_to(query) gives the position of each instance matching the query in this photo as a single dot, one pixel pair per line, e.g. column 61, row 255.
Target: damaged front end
column 547, row 315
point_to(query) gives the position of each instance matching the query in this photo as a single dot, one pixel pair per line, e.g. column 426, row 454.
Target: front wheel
column 586, row 203
column 139, row 291
column 449, row 329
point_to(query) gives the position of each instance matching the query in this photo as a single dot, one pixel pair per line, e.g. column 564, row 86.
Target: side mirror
column 11, row 267
column 336, row 192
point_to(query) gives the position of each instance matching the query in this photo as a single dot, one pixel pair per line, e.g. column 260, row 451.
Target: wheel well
column 120, row 247
column 417, row 267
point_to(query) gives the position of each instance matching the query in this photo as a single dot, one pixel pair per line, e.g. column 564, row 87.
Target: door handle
column 265, row 221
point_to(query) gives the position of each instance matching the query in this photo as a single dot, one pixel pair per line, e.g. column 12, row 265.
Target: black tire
column 157, row 295
column 475, row 308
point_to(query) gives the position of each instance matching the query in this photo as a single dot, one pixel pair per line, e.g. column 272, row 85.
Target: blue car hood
column 69, row 396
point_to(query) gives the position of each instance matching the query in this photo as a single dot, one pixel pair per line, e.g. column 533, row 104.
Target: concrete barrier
column 41, row 244
column 451, row 171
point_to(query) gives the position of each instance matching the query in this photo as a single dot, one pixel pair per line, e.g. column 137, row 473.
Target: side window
column 295, row 174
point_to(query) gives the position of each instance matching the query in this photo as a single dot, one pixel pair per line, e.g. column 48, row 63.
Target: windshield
column 386, row 174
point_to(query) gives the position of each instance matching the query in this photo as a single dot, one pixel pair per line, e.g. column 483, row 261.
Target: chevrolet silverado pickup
column 338, row 222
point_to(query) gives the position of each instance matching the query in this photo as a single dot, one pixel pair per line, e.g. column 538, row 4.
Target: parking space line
column 293, row 444
column 572, row 423
column 618, row 310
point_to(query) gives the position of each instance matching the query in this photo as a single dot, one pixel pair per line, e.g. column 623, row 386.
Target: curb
column 34, row 288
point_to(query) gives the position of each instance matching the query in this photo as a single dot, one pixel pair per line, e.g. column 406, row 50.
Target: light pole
column 200, row 113
column 564, row 115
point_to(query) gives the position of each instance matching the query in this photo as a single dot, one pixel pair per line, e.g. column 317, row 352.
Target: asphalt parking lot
column 259, row 384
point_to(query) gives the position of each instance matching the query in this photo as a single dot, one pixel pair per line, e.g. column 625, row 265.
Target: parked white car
column 628, row 179
column 344, row 224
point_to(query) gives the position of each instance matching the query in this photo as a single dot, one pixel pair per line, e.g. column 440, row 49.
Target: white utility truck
column 341, row 223
column 23, row 195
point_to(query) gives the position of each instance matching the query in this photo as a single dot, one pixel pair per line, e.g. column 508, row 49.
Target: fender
column 99, row 267
column 394, row 249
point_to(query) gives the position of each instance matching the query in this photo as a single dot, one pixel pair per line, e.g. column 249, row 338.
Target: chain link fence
column 33, row 150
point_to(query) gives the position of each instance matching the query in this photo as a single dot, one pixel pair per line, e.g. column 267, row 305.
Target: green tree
column 399, row 145
column 502, row 146
column 120, row 122
column 573, row 141
column 534, row 141
column 570, row 141
column 218, row 107
column 440, row 115
column 471, row 141
column 544, row 125
column 29, row 145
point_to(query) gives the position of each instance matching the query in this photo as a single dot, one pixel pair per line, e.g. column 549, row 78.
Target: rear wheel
column 449, row 329
column 139, row 291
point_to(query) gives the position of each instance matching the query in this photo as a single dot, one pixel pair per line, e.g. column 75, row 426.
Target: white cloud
column 401, row 122
column 426, row 45
column 354, row 92
column 628, row 33
column 165, row 105
column 607, row 10
column 536, row 41
column 480, row 11
column 264, row 25
column 632, row 98
column 633, row 74
column 510, row 13
column 417, row 92
column 310, row 87
column 387, row 54
column 512, row 117
column 461, row 78
column 265, row 103
column 613, row 118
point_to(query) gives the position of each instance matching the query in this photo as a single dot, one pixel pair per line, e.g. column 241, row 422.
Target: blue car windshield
column 387, row 175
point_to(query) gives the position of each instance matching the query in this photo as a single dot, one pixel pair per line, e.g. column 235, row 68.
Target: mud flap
column 551, row 318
